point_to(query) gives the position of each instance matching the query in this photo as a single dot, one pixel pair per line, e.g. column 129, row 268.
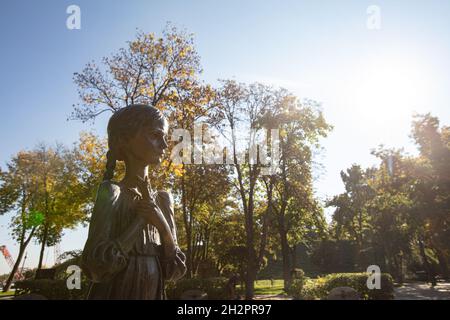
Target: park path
column 423, row 291
column 409, row 291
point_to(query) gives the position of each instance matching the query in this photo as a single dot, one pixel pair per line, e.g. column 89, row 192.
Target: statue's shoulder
column 108, row 191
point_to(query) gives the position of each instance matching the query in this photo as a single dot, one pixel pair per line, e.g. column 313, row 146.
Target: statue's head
column 136, row 133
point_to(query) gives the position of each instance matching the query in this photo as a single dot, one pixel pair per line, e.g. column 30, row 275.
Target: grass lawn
column 7, row 293
column 264, row 287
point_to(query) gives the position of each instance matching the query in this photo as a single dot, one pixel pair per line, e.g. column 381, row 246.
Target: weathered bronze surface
column 132, row 244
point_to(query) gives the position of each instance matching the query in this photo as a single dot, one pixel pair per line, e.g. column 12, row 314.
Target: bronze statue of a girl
column 132, row 244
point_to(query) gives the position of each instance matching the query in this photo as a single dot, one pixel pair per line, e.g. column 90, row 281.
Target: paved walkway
column 423, row 291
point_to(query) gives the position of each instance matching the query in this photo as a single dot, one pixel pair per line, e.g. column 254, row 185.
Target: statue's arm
column 176, row 268
column 103, row 255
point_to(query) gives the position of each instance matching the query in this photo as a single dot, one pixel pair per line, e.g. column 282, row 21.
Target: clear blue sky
column 369, row 81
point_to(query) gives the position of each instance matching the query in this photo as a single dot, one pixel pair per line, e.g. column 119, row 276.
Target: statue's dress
column 122, row 255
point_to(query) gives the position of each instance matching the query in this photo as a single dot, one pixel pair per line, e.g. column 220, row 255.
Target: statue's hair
column 124, row 124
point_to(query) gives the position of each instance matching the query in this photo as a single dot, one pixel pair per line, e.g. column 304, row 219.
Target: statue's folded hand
column 174, row 267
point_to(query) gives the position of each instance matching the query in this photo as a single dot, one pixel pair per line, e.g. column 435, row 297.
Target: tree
column 404, row 203
column 290, row 189
column 196, row 185
column 149, row 70
column 203, row 194
column 56, row 176
column 431, row 191
column 252, row 109
column 373, row 212
column 240, row 106
column 18, row 194
column 351, row 206
column 88, row 157
column 390, row 210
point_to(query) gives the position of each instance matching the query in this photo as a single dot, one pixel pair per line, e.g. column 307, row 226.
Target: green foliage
column 312, row 289
column 35, row 218
column 213, row 287
column 202, row 216
column 358, row 281
column 296, row 287
column 330, row 256
column 400, row 207
column 351, row 214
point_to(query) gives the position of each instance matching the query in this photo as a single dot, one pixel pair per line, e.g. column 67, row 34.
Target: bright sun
column 390, row 89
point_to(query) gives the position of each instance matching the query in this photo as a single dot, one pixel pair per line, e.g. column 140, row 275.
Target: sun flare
column 390, row 89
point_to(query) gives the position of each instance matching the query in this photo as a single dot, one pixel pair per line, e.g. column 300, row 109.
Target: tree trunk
column 397, row 264
column 187, row 227
column 46, row 226
column 251, row 255
column 285, row 253
column 442, row 264
column 23, row 245
column 14, row 269
column 383, row 257
column 196, row 254
column 426, row 264
column 251, row 275
column 294, row 256
column 43, row 244
column 248, row 212
column 265, row 227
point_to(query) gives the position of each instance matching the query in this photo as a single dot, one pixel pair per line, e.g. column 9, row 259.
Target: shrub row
column 301, row 288
column 57, row 289
column 312, row 289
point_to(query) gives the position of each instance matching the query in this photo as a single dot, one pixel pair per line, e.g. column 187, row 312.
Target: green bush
column 296, row 287
column 312, row 290
column 213, row 287
column 51, row 289
column 321, row 287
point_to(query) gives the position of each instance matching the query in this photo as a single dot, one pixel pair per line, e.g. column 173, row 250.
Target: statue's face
column 149, row 144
